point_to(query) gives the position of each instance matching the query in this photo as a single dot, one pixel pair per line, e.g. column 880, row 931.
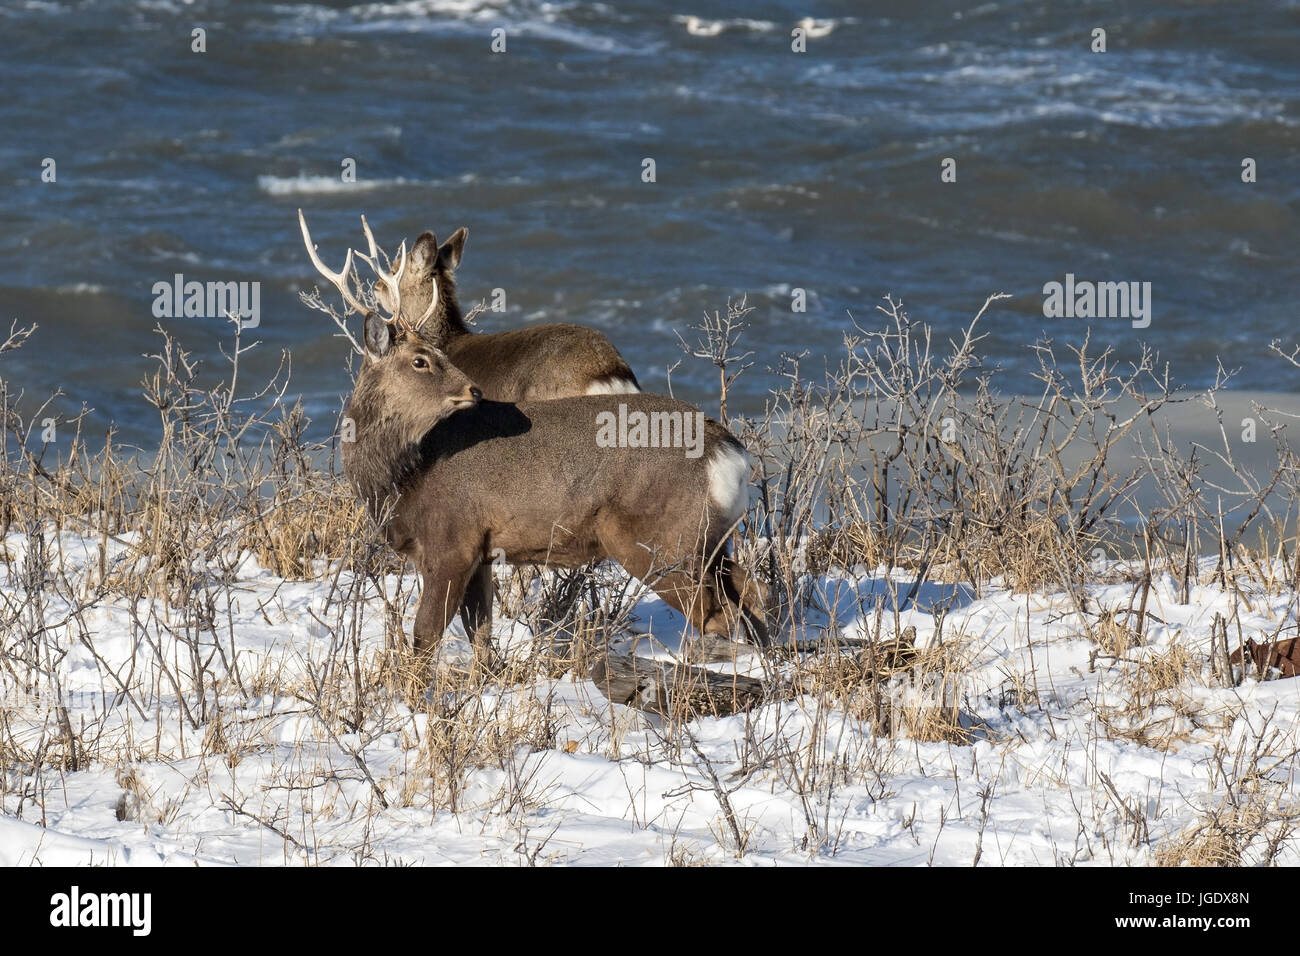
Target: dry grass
column 1165, row 671
column 1253, row 816
column 466, row 731
column 1232, row 836
column 899, row 689
column 1114, row 636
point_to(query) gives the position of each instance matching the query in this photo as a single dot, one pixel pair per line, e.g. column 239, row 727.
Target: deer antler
column 373, row 260
column 337, row 279
column 383, row 272
column 391, row 279
column 370, row 242
column 433, row 304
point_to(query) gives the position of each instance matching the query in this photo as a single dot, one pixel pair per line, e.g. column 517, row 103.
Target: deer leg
column 748, row 594
column 476, row 609
column 694, row 595
column 444, row 590
column 724, row 602
column 720, row 621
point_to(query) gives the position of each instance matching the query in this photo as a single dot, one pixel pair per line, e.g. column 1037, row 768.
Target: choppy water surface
column 775, row 171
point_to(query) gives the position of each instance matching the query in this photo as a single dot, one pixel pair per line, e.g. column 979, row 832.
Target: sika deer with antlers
column 543, row 361
column 453, row 477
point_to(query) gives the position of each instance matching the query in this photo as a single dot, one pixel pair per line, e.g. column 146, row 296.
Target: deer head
column 406, row 386
column 429, row 284
column 408, row 381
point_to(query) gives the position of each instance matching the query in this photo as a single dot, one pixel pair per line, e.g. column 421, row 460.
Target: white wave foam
column 813, row 28
column 544, row 21
column 816, row 29
column 191, row 257
column 422, row 8
column 701, row 27
column 303, row 184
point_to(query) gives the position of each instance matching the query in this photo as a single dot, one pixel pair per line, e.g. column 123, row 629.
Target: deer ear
column 423, row 254
column 451, row 249
column 379, row 336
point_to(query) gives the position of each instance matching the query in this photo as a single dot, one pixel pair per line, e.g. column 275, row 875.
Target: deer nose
column 476, row 392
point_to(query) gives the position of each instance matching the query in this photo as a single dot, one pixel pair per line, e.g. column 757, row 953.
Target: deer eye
column 420, row 362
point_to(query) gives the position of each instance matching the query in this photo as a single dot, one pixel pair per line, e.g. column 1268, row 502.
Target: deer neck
column 453, row 321
column 386, row 457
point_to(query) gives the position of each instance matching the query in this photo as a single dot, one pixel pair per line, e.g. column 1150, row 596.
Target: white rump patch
column 729, row 480
column 613, row 386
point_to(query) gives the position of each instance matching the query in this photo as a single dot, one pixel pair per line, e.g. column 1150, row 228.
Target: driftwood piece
column 672, row 689
column 687, row 692
column 893, row 654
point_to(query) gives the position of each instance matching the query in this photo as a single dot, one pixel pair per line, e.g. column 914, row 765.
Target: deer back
column 540, row 362
column 534, row 480
column 543, row 362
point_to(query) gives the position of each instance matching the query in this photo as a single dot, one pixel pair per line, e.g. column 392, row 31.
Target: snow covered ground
column 284, row 747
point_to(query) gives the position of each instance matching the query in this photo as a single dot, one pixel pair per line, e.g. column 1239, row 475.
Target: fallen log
column 687, row 692
column 892, row 653
column 673, row 690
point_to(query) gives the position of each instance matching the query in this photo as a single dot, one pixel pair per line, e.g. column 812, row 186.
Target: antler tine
column 338, row 279
column 393, row 282
column 428, row 313
column 373, row 258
